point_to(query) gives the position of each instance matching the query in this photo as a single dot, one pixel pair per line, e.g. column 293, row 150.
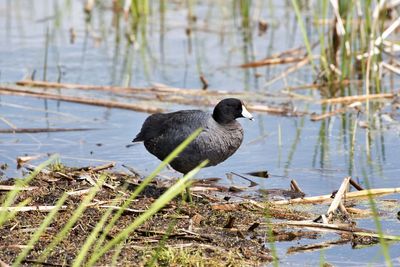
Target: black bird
column 221, row 136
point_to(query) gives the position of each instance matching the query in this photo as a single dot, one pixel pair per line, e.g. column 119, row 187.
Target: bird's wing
column 175, row 126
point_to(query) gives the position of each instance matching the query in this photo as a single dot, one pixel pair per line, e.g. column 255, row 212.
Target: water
column 163, row 53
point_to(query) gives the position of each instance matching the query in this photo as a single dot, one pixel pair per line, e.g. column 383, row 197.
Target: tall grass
column 164, row 199
column 303, row 31
column 40, row 231
column 95, row 242
column 74, row 218
column 349, row 46
column 9, row 198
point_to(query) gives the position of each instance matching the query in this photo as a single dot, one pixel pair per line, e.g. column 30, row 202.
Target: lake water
column 288, row 147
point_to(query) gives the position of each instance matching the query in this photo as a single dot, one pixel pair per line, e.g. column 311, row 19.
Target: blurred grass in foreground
column 96, row 245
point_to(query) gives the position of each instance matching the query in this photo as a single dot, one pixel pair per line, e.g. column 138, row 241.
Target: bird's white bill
column 246, row 113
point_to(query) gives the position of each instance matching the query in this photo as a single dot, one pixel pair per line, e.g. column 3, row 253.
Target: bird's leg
column 187, row 196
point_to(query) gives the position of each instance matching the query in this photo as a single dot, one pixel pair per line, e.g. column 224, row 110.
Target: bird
column 219, row 139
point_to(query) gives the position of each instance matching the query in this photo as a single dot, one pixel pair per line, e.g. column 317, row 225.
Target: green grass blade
column 375, row 215
column 161, row 244
column 164, row 199
column 75, row 216
column 93, row 235
column 10, row 197
column 114, row 259
column 303, row 32
column 36, row 235
column 11, row 214
column 144, row 183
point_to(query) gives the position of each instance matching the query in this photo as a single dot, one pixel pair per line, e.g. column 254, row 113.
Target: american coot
column 221, row 136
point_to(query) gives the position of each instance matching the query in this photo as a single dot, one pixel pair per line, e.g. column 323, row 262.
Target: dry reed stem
column 13, row 187
column 82, row 100
column 357, row 98
column 103, row 167
column 317, row 246
column 23, row 159
column 272, row 61
column 289, row 70
column 42, row 130
column 343, row 210
column 327, row 226
column 328, row 114
column 79, row 192
column 356, row 185
column 338, row 228
column 349, row 195
column 128, row 210
column 295, row 186
column 208, row 100
column 273, row 110
column 143, row 90
column 338, row 198
column 31, row 208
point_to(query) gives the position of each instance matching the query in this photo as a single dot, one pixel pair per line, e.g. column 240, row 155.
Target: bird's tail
column 138, row 138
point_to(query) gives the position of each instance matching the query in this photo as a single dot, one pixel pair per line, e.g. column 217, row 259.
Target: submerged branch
column 82, row 100
column 43, row 130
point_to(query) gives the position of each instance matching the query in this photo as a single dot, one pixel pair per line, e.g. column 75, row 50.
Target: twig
column 323, row 85
column 79, row 192
column 63, row 175
column 312, row 247
column 13, row 187
column 42, row 263
column 103, row 167
column 343, row 210
column 289, row 70
column 226, row 207
column 272, row 61
column 272, row 110
column 390, row 67
column 207, row 188
column 133, row 171
column 360, row 212
column 31, row 168
column 127, row 210
column 23, row 159
column 31, row 208
column 204, row 82
column 252, row 183
column 328, row 114
column 338, row 198
column 356, row 185
column 295, row 186
column 325, row 226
